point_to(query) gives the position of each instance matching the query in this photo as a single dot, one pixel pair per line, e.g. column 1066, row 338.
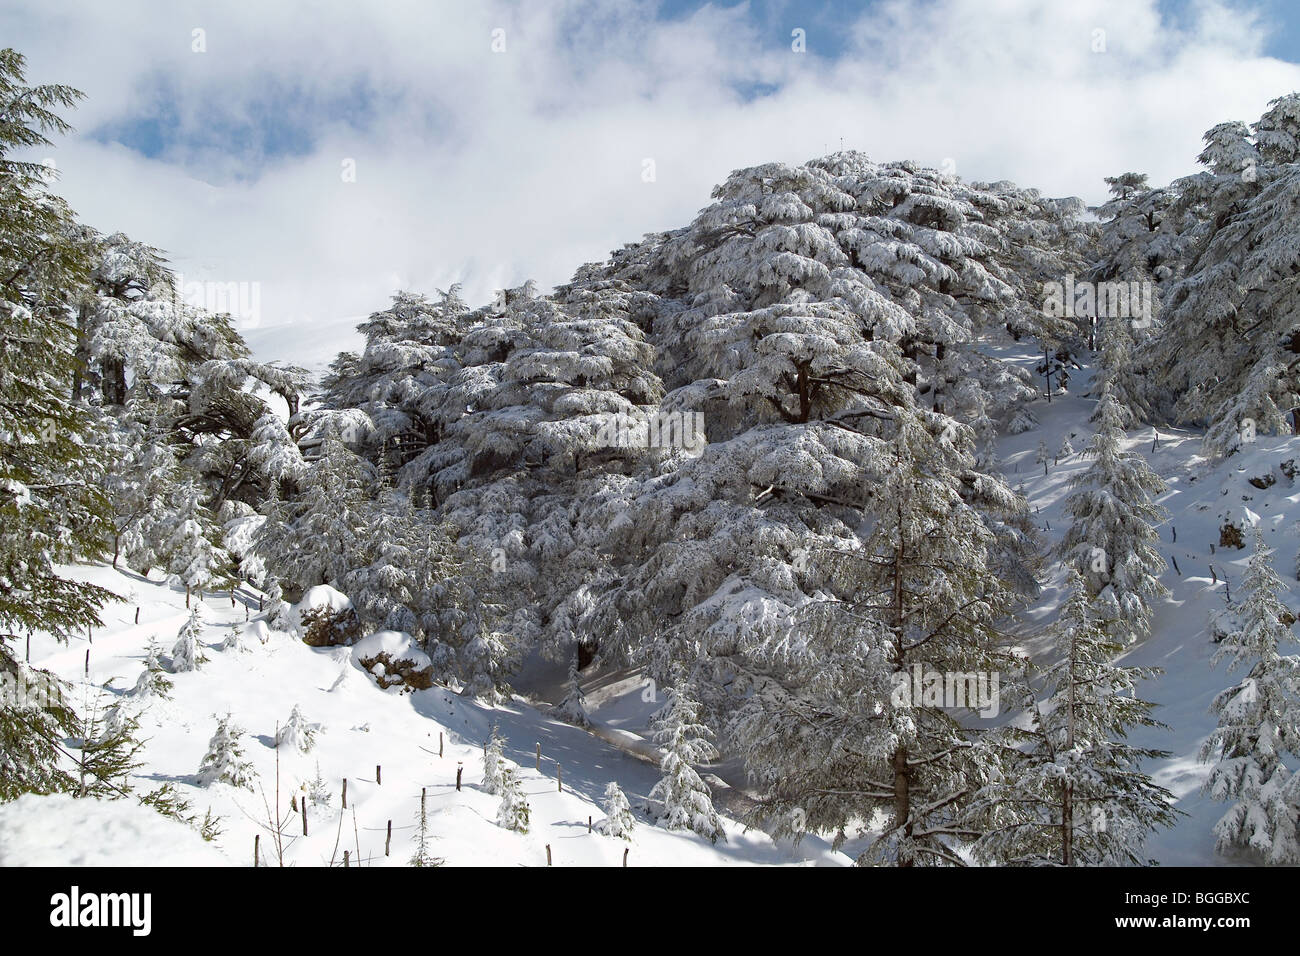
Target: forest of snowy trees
column 754, row 457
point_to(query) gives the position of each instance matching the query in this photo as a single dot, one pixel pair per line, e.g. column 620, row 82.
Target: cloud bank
column 496, row 142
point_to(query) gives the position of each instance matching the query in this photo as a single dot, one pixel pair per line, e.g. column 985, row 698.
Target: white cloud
column 492, row 168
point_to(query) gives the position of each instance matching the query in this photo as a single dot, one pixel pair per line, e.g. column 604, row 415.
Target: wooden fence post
column 345, row 793
column 388, row 841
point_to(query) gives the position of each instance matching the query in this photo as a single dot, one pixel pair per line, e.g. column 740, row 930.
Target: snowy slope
column 1200, row 498
column 362, row 727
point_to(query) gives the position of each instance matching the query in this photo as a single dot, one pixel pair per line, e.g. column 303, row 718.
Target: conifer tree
column 573, row 709
column 925, row 589
column 32, row 758
column 108, row 750
column 187, row 654
column 1074, row 792
column 494, row 765
column 422, row 856
column 618, row 821
column 1112, row 541
column 192, row 555
column 153, row 681
column 1258, row 724
column 51, row 509
column 685, row 799
column 512, row 812
column 297, row 733
column 224, row 761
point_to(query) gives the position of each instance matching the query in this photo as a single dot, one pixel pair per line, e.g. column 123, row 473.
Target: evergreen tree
column 297, row 733
column 1258, row 724
column 153, row 681
column 192, row 555
column 52, row 511
column 1226, row 354
column 187, row 654
column 51, row 508
column 319, row 536
column 1112, row 541
column 494, row 765
column 318, row 791
column 108, row 750
column 1074, row 793
column 1116, row 375
column 820, row 721
column 573, row 709
column 619, row 821
column 224, row 761
column 33, row 726
column 235, row 641
column 1043, row 456
column 685, row 798
column 512, row 813
column 422, row 856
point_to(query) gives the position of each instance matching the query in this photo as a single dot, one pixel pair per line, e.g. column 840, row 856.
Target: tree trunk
column 114, row 384
column 902, row 798
column 80, row 357
column 902, row 772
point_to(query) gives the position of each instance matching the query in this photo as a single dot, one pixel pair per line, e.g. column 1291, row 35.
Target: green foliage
column 51, row 509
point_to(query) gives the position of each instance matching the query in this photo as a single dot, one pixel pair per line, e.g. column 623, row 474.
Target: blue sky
column 490, row 166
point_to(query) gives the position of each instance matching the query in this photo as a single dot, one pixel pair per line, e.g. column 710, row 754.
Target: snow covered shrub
column 1022, row 421
column 153, row 680
column 573, row 709
column 187, row 654
column 493, row 765
column 512, row 812
column 225, row 761
column 324, row 627
column 619, row 821
column 297, row 733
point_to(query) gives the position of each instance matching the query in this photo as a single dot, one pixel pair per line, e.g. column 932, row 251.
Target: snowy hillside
column 362, row 729
column 875, row 514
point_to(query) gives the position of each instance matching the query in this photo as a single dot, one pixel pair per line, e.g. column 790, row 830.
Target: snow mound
column 322, row 595
column 59, row 830
column 395, row 645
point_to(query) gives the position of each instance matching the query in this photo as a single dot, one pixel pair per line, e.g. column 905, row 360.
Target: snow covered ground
column 1200, row 498
column 386, row 743
column 365, row 729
